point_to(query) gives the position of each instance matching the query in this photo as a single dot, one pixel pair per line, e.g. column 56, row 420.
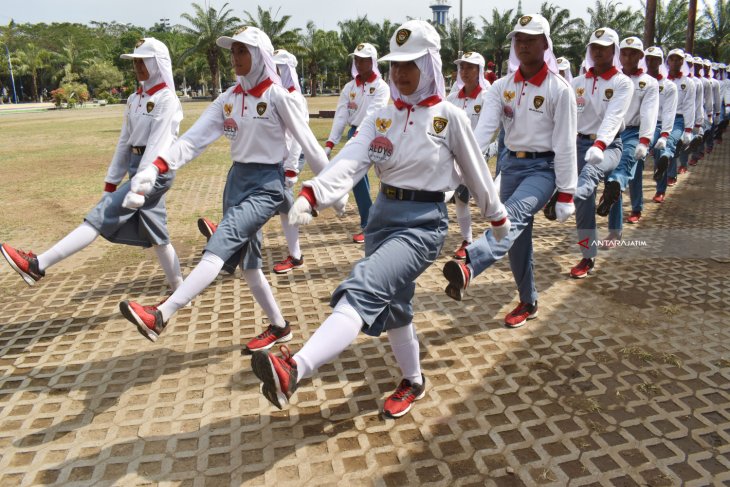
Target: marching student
column 636, row 138
column 603, row 96
column 537, row 108
column 564, row 69
column 360, row 97
column 255, row 115
column 151, row 121
column 421, row 147
column 714, row 115
column 470, row 89
column 695, row 152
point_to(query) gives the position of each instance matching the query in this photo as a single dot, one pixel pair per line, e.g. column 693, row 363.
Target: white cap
column 604, row 37
column 697, row 60
column 471, row 58
column 253, row 36
column 531, row 25
column 365, row 50
column 147, row 48
column 563, row 64
column 677, row 52
column 722, row 66
column 688, row 58
column 412, row 40
column 707, row 62
column 282, row 56
column 656, row 51
column 632, row 43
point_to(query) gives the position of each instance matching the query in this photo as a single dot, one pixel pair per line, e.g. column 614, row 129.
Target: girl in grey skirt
column 151, row 121
column 419, row 146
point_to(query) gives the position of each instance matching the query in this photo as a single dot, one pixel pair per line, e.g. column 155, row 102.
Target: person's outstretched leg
column 170, row 265
column 294, row 260
column 279, row 330
column 80, row 238
column 404, row 343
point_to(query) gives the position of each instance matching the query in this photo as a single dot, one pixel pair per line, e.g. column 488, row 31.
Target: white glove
column 701, row 132
column 290, row 181
column 661, row 143
column 327, row 151
column 492, row 150
column 501, row 231
column 341, row 206
column 133, row 200
column 563, row 211
column 686, row 138
column 594, row 155
column 144, row 180
column 300, row 212
column 641, row 151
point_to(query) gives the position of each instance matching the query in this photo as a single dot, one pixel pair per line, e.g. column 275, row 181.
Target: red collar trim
column 536, row 80
column 238, row 90
column 292, row 88
column 256, row 91
column 156, row 88
column 139, row 90
column 426, row 102
column 474, row 93
column 359, row 82
column 660, row 77
column 670, row 77
column 607, row 75
column 638, row 72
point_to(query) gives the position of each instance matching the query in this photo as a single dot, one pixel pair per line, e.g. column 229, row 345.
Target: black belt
column 587, row 136
column 632, row 127
column 138, row 149
column 532, row 155
column 393, row 193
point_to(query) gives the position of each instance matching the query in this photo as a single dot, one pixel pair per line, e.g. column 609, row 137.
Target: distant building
column 440, row 10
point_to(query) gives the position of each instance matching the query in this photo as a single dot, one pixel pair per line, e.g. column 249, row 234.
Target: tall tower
column 440, row 10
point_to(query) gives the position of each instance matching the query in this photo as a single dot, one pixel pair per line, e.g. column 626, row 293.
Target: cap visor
column 225, row 42
column 136, row 56
column 359, row 54
column 403, row 56
column 529, row 32
column 602, row 43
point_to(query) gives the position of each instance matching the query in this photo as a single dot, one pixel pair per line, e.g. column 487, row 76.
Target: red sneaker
column 278, row 375
column 401, row 401
column 24, row 263
column 682, row 170
column 658, row 198
column 693, row 161
column 584, row 267
column 634, row 217
column 207, row 227
column 288, row 264
column 270, row 336
column 148, row 319
column 458, row 275
column 358, row 238
column 460, row 253
column 671, row 181
column 519, row 316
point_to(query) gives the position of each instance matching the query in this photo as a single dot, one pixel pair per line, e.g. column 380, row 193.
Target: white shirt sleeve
column 699, row 104
column 716, row 98
column 669, row 108
column 341, row 114
column 688, row 106
column 206, row 130
column 294, row 120
column 649, row 112
column 564, row 144
column 120, row 162
column 291, row 163
column 164, row 127
column 490, row 119
column 616, row 110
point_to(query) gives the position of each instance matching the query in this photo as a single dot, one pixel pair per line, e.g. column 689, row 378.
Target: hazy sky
column 325, row 14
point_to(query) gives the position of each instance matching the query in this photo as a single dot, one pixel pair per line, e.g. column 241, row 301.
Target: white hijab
column 480, row 62
column 431, row 81
column 549, row 57
column 262, row 67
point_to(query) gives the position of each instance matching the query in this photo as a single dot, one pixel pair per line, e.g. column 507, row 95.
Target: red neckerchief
column 152, row 90
column 670, row 77
column 426, row 102
column 256, row 91
column 291, row 88
column 360, row 82
column 638, row 72
column 474, row 93
column 607, row 75
column 536, row 79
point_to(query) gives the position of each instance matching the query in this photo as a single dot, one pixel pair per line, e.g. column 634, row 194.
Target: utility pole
column 650, row 23
column 689, row 44
column 461, row 28
column 12, row 78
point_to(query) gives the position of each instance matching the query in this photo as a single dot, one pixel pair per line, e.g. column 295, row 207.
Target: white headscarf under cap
column 262, row 51
column 156, row 59
column 471, row 58
column 656, row 51
column 564, row 65
column 287, row 64
column 365, row 50
column 678, row 52
column 534, row 24
column 598, row 37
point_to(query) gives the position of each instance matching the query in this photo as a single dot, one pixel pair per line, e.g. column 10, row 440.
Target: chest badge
column 150, row 106
column 439, row 124
column 661, row 88
column 382, row 124
column 227, row 109
column 477, row 108
column 642, row 84
column 580, row 91
column 230, row 128
column 261, row 108
column 372, row 90
column 380, row 150
column 608, row 93
column 683, row 86
column 538, row 101
column 508, row 96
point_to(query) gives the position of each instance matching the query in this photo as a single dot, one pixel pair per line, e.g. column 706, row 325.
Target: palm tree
column 29, row 61
column 568, row 34
column 275, row 29
column 321, row 49
column 353, row 32
column 381, row 39
column 717, row 27
column 70, row 61
column 671, row 23
column 494, row 36
column 607, row 13
column 207, row 26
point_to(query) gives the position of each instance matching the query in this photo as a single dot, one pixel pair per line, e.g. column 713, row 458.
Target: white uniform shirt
column 471, row 103
column 724, row 94
column 644, row 107
column 429, row 142
column 685, row 99
column 699, row 117
column 256, row 123
column 716, row 102
column 538, row 115
column 357, row 100
column 295, row 149
column 602, row 104
column 667, row 105
column 709, row 100
column 152, row 120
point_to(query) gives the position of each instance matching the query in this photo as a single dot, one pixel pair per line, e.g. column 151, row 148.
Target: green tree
column 381, row 40
column 608, row 13
column 69, row 61
column 450, row 40
column 356, row 31
column 274, row 27
column 494, row 36
column 30, row 61
column 321, row 49
column 716, row 28
column 568, row 34
column 102, row 76
column 206, row 26
column 671, row 23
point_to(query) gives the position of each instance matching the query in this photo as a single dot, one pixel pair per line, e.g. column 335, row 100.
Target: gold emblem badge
column 661, row 88
column 508, row 96
column 609, row 93
column 261, row 108
column 477, row 108
column 439, row 124
column 599, row 33
column 372, row 90
column 468, row 54
column 228, row 109
column 560, row 60
column 629, row 41
column 525, row 20
column 382, row 124
column 642, row 84
column 538, row 101
column 242, row 29
column 402, row 36
column 276, row 52
column 139, row 43
column 683, row 86
column 360, row 47
column 580, row 91
column 651, row 49
column 150, row 106
column 352, row 95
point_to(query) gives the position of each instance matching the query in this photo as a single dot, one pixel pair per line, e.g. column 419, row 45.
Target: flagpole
column 12, row 78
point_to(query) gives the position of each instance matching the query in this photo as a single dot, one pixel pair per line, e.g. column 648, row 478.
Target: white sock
column 204, row 273
column 78, row 239
column 291, row 233
column 404, row 343
column 262, row 294
column 170, row 264
column 463, row 217
column 331, row 339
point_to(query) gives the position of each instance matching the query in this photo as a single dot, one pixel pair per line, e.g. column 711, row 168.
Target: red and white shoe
column 288, row 264
column 658, row 198
column 671, row 181
column 682, row 170
column 582, row 269
column 207, row 227
column 519, row 316
column 359, row 238
column 24, row 263
column 148, row 319
column 271, row 336
column 278, row 375
column 634, row 217
column 401, row 401
column 458, row 275
column 460, row 253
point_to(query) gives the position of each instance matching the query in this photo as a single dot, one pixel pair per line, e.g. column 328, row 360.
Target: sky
column 325, row 14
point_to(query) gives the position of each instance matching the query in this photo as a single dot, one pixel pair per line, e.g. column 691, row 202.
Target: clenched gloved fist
column 641, row 151
column 500, row 228
column 290, row 179
column 133, row 200
column 661, row 144
column 564, row 207
column 594, row 155
column 144, row 180
column 686, row 137
column 301, row 212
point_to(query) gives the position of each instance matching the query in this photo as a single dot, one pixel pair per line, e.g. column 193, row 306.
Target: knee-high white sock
column 170, row 264
column 331, row 339
column 291, row 233
column 204, row 273
column 463, row 217
column 81, row 237
column 404, row 343
column 262, row 294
